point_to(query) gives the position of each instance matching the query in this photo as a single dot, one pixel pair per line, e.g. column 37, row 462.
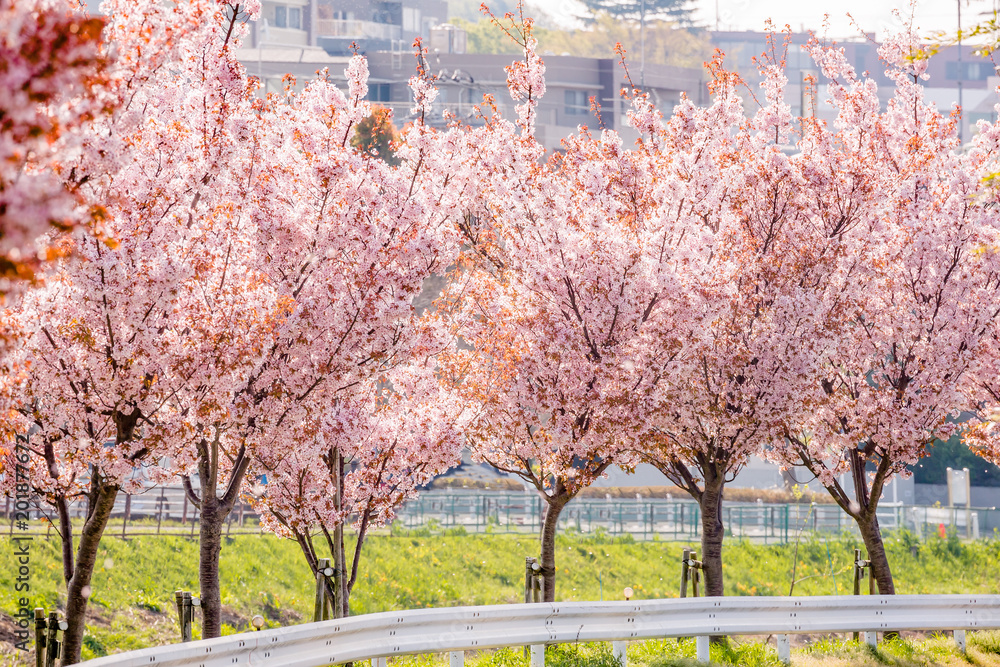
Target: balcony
column 366, row 29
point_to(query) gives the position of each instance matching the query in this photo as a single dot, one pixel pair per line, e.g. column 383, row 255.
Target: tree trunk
column 548, row 555
column 66, row 534
column 212, row 517
column 340, row 601
column 872, row 536
column 213, row 514
column 78, row 589
column 867, row 520
column 712, row 533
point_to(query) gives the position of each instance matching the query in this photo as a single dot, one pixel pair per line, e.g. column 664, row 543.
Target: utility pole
column 961, row 73
column 642, row 44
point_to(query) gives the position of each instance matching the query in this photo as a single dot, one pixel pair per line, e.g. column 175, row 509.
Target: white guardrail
column 458, row 629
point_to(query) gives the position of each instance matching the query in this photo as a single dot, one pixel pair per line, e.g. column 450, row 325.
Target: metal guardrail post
column 537, row 655
column 960, row 640
column 784, row 649
column 456, row 659
column 618, row 650
column 701, row 648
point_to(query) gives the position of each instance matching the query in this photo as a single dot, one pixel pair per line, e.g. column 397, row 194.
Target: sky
column 871, row 15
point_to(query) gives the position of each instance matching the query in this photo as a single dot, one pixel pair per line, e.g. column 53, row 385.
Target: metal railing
column 677, row 519
column 457, row 629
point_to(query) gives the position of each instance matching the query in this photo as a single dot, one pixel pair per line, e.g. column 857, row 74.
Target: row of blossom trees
column 821, row 294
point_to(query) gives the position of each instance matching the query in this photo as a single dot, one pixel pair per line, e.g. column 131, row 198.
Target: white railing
column 457, row 629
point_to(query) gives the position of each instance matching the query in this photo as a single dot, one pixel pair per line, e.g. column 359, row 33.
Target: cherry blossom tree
column 727, row 183
column 109, row 346
column 567, row 280
column 368, row 453
column 914, row 294
column 338, row 245
column 52, row 78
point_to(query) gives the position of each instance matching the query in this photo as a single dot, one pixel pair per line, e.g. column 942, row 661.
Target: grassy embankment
column 132, row 600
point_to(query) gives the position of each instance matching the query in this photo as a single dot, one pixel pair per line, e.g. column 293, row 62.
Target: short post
column 686, row 555
column 456, row 659
column 188, row 613
column 39, row 637
column 533, row 581
column 618, row 648
column 529, row 578
column 871, row 638
column 179, row 599
column 532, row 592
column 320, row 610
column 51, row 643
column 960, row 640
column 784, row 649
column 537, row 655
column 126, row 513
column 159, row 511
column 378, row 662
column 195, row 602
column 695, row 565
column 859, row 567
column 701, row 648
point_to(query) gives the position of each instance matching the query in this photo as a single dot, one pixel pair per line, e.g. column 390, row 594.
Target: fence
column 458, row 629
column 673, row 519
column 515, row 512
column 156, row 511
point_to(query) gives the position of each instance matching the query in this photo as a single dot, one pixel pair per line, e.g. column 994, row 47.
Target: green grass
column 133, row 604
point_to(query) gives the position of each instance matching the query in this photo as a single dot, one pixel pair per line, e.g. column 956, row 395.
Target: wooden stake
column 188, row 613
column 695, row 578
column 51, row 644
column 179, row 599
column 319, row 609
column 128, row 511
column 39, row 637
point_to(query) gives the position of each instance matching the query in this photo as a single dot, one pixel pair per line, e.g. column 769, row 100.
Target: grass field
column 132, row 600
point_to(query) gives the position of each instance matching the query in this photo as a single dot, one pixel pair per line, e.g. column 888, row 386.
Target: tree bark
column 66, row 534
column 863, row 511
column 211, row 516
column 340, row 601
column 872, row 536
column 712, row 532
column 102, row 501
column 547, row 561
column 213, row 511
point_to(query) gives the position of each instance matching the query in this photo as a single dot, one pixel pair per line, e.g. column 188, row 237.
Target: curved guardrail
column 456, row 629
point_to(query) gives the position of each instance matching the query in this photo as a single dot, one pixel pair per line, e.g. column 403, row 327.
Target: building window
column 577, row 103
column 378, row 92
column 974, row 71
column 411, row 19
column 288, row 17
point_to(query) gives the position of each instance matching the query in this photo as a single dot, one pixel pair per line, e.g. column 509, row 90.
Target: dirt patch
column 9, row 653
